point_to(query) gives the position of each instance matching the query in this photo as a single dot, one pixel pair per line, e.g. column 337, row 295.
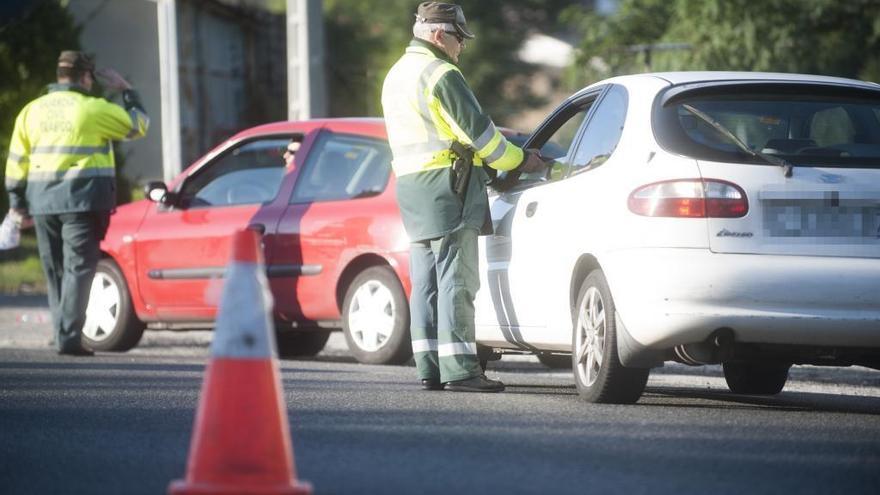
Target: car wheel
column 308, row 343
column 375, row 318
column 598, row 373
column 755, row 378
column 555, row 361
column 111, row 324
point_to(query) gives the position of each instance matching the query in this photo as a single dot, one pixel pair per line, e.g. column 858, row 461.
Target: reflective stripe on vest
column 70, row 174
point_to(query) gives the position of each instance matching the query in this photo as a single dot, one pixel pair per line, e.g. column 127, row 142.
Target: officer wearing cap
column 61, row 171
column 442, row 143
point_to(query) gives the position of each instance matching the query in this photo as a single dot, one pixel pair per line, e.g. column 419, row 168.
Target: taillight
column 690, row 198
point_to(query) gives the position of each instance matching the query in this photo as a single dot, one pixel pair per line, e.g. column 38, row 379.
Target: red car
column 335, row 249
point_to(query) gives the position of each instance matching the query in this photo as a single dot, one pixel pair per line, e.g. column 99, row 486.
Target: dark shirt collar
column 67, row 87
column 436, row 51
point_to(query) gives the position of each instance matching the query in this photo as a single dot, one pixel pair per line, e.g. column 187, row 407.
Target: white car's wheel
column 375, row 318
column 598, row 374
column 111, row 324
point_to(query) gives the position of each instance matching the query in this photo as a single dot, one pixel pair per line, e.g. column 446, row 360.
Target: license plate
column 818, row 219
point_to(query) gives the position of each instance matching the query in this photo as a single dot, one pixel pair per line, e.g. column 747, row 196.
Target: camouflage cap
column 439, row 12
column 76, row 60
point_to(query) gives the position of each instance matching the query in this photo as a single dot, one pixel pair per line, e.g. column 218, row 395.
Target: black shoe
column 431, row 384
column 81, row 351
column 476, row 384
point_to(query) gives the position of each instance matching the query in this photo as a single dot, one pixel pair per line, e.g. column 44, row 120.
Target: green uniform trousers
column 69, row 245
column 445, row 279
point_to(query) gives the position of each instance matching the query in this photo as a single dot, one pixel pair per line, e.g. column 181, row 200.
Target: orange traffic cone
column 241, row 442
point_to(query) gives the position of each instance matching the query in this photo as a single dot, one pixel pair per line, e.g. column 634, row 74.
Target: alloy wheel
column 590, row 343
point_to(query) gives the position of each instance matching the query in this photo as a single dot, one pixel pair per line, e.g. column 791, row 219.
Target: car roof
column 369, row 126
column 687, row 77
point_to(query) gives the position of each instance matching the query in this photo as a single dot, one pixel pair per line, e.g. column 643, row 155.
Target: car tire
column 375, row 318
column 755, row 378
column 598, row 373
column 307, row 343
column 111, row 324
column 555, row 361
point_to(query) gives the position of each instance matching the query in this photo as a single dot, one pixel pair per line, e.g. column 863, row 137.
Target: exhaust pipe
column 710, row 351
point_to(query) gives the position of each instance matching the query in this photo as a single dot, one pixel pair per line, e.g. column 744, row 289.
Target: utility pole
column 169, row 76
column 305, row 60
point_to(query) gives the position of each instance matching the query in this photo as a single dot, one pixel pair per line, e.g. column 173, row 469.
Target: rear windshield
column 805, row 124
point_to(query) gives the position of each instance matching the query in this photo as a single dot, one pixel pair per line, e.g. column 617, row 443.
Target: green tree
column 29, row 46
column 810, row 36
column 363, row 41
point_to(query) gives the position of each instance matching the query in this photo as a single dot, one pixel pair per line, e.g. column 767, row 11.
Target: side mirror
column 157, row 192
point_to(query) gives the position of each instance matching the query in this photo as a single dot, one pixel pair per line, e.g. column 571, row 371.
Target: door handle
column 257, row 227
column 530, row 209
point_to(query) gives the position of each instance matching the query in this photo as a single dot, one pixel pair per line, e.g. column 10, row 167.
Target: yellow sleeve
column 18, row 162
column 114, row 122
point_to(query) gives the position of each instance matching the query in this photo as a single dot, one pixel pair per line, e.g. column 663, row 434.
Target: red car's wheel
column 375, row 318
column 111, row 324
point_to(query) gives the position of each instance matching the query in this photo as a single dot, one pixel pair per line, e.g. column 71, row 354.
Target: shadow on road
column 98, row 365
column 785, row 401
column 330, row 358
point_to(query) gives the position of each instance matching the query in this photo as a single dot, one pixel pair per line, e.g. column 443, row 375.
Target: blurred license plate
column 808, row 219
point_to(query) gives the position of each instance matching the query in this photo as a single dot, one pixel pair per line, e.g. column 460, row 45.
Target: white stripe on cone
column 245, row 326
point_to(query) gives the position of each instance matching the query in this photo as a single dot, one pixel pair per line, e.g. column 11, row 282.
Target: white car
column 698, row 217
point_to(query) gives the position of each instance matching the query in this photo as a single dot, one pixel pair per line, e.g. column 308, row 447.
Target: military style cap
column 439, row 12
column 76, row 60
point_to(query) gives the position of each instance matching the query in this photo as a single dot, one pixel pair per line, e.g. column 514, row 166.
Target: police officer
column 61, row 172
column 442, row 142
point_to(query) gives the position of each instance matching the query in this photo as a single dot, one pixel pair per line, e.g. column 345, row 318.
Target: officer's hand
column 20, row 216
column 111, row 79
column 533, row 163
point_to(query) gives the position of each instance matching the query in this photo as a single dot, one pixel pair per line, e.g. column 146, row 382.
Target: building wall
column 232, row 70
column 123, row 35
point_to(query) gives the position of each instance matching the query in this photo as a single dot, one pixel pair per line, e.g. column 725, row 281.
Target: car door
column 182, row 250
column 517, row 259
column 331, row 217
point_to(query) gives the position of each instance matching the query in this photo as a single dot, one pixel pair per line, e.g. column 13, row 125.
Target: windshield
column 802, row 128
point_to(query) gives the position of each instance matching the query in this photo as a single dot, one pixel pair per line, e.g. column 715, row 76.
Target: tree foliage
column 30, row 42
column 364, row 41
column 810, row 36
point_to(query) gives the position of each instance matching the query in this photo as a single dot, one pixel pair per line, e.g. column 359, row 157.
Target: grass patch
column 20, row 269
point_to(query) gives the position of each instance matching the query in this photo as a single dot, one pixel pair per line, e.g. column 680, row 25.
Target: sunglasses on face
column 457, row 36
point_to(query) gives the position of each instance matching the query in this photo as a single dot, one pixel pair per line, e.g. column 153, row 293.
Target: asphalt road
column 121, row 423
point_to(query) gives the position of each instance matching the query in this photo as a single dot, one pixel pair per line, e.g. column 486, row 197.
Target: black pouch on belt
column 461, row 169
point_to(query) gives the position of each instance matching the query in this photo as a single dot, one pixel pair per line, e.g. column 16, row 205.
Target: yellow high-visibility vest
column 61, row 156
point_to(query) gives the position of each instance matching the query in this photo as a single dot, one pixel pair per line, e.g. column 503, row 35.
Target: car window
column 558, row 144
column 602, row 132
column 343, row 167
column 804, row 124
column 248, row 174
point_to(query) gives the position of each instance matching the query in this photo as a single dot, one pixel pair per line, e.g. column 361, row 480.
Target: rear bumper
column 667, row 297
